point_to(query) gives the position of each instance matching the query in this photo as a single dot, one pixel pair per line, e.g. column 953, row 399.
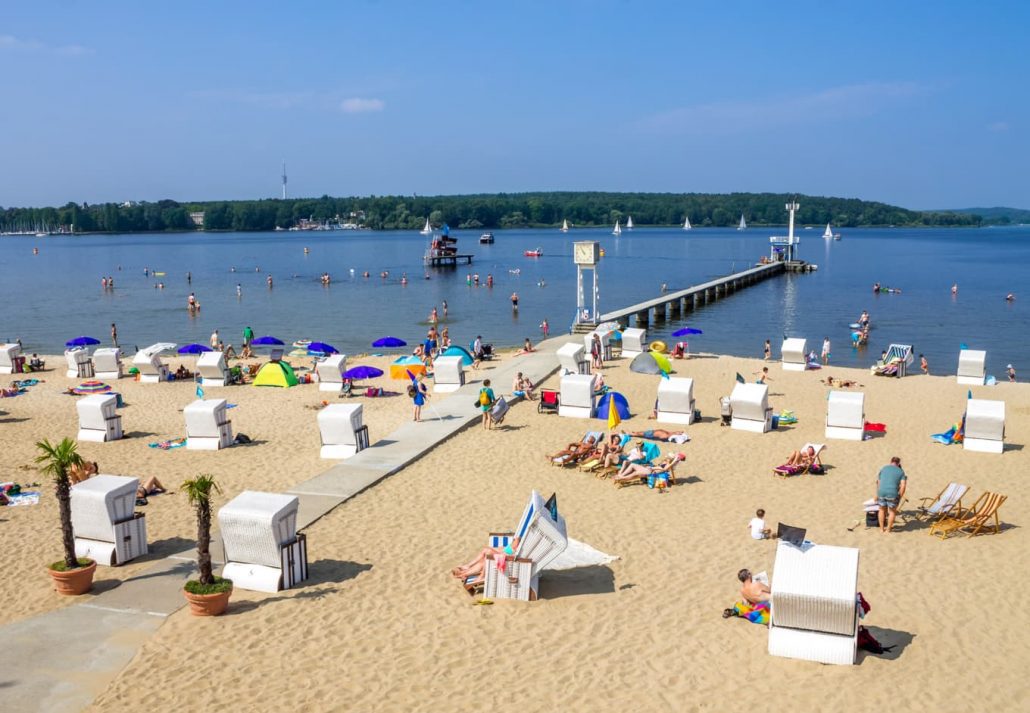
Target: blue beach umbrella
column 194, row 349
column 321, row 348
column 81, row 342
column 362, row 372
column 266, row 341
column 389, row 342
column 621, row 405
column 685, row 331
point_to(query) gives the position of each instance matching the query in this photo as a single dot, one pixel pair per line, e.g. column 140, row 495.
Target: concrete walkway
column 60, row 661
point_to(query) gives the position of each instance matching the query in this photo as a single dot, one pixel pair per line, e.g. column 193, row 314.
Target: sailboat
column 428, row 230
column 565, row 225
column 743, row 223
column 618, row 229
column 629, row 223
column 686, row 223
column 827, row 233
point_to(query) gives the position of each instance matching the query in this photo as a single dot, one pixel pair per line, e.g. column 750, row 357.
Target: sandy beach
column 381, row 625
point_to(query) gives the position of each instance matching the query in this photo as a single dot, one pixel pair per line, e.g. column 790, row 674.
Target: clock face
column 584, row 254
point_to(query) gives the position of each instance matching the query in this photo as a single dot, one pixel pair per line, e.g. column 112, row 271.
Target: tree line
column 502, row 210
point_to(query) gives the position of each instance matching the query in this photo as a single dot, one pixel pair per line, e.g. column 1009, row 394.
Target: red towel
column 877, row 427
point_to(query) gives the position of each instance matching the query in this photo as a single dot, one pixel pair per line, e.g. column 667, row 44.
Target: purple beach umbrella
column 81, row 342
column 389, row 342
column 362, row 372
column 322, row 349
column 686, row 331
column 195, row 349
column 266, row 342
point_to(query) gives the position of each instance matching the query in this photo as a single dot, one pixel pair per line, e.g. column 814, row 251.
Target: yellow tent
column 275, row 373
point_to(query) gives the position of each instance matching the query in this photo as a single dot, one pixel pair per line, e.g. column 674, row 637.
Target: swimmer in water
column 1010, row 297
column 954, row 288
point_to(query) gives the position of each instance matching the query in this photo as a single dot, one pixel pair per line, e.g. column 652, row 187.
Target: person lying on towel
column 660, row 434
column 755, row 596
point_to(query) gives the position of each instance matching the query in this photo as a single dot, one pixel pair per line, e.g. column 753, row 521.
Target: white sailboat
column 428, row 230
column 686, row 223
column 629, row 223
column 743, row 223
column 828, row 233
column 618, row 229
column 565, row 226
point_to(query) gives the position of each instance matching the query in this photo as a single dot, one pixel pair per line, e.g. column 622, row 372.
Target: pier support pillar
column 659, row 313
column 642, row 318
column 675, row 308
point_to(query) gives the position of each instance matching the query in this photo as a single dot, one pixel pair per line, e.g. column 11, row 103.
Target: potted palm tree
column 208, row 595
column 72, row 575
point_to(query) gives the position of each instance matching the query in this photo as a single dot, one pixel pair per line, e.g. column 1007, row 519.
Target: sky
column 923, row 105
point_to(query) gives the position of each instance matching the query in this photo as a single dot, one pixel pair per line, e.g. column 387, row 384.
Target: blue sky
column 189, row 100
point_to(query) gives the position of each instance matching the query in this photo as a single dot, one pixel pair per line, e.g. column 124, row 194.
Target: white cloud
column 10, row 42
column 358, row 105
column 998, row 126
column 835, row 103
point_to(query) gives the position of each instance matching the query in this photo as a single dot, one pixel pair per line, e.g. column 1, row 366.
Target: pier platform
column 447, row 260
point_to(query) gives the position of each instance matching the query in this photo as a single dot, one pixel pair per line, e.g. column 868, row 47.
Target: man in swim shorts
column 890, row 489
column 660, row 434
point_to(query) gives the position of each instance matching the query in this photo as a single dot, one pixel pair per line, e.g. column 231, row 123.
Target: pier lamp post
column 586, row 255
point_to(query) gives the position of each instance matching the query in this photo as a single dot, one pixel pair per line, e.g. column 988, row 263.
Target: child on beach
column 763, row 376
column 757, row 525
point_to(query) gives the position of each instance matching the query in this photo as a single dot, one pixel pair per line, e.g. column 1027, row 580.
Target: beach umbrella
column 195, row 349
column 685, row 331
column 613, row 408
column 362, row 372
column 651, row 363
column 92, row 387
column 322, row 349
column 81, row 342
column 266, row 341
column 389, row 342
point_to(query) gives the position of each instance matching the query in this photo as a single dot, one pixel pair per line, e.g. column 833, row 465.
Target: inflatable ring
column 302, row 343
column 658, row 346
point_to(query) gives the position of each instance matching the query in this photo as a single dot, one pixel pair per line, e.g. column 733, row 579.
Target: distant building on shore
column 198, row 218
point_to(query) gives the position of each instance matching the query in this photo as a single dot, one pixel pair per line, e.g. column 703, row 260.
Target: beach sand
column 381, row 625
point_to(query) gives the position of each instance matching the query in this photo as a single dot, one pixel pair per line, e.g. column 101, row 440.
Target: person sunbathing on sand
column 843, row 383
column 636, row 471
column 472, row 572
column 660, row 434
column 804, row 457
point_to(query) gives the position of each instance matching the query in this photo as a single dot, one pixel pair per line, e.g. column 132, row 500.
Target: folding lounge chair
column 947, row 500
column 651, row 452
column 566, row 461
column 786, row 471
column 549, row 401
column 971, row 520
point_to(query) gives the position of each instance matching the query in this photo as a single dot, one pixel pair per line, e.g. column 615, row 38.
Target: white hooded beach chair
column 9, row 356
column 577, row 396
column 676, row 400
column 792, row 353
column 572, row 360
column 985, row 426
column 749, row 408
column 212, row 369
column 341, row 430
column 448, row 374
column 207, row 427
column 330, row 372
column 107, row 363
column 634, row 341
column 971, row 367
column 107, row 528
column 263, row 551
column 542, row 537
column 80, row 365
column 98, row 420
column 814, row 607
column 845, row 415
column 151, row 369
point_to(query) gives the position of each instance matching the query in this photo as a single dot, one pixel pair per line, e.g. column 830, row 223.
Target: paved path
column 60, row 661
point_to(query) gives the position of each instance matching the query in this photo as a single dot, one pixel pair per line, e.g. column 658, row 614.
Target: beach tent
column 400, row 367
column 275, row 373
column 455, row 350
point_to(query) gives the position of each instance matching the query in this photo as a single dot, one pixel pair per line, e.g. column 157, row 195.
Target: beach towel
column 23, row 499
column 788, row 469
column 755, row 613
column 169, row 445
column 876, row 427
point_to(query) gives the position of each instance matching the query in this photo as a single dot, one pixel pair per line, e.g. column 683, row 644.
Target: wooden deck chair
column 971, row 520
column 947, row 500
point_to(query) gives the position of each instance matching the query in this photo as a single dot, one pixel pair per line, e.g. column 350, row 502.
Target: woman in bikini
column 636, row 471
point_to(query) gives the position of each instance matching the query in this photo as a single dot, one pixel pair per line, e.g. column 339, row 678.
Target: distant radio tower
column 284, row 180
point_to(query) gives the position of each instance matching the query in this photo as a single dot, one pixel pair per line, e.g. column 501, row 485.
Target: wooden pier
column 673, row 305
column 447, row 260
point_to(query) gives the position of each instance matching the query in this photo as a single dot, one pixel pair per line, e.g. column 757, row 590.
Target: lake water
column 55, row 295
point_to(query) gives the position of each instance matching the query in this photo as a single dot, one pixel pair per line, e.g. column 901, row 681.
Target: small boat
column 427, row 230
column 743, row 223
column 686, row 223
column 629, row 223
column 534, row 253
column 836, row 236
column 618, row 229
column 565, row 226
column 486, row 239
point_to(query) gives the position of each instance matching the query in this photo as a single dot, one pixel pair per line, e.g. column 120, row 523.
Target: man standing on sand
column 890, row 489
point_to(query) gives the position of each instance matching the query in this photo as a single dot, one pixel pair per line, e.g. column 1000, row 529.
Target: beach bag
column 411, row 391
column 484, row 398
column 867, row 642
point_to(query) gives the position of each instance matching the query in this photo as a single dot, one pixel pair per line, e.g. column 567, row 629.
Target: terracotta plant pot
column 207, row 604
column 74, row 581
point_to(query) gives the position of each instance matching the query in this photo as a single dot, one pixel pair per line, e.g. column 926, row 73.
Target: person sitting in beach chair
column 574, row 452
column 600, row 455
column 801, row 461
column 660, row 475
column 82, row 471
column 36, row 364
column 660, row 434
column 471, row 573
